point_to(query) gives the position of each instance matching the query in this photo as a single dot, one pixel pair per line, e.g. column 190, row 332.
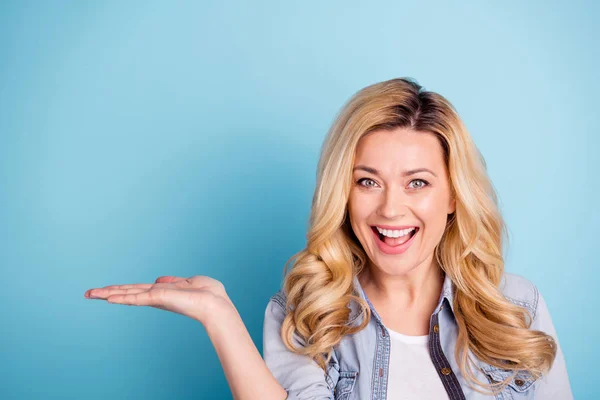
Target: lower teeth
column 396, row 241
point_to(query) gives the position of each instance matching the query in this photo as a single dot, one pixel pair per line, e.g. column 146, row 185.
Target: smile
column 394, row 241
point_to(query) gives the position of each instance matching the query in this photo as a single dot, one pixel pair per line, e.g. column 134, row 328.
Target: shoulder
column 278, row 299
column 520, row 291
column 276, row 309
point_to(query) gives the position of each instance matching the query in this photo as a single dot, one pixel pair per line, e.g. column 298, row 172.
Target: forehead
column 400, row 148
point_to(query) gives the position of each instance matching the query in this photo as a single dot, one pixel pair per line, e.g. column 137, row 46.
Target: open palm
column 193, row 297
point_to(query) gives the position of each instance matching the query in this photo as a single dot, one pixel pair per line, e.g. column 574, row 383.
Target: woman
column 401, row 290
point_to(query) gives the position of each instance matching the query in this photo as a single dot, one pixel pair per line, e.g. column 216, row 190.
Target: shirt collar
column 447, row 293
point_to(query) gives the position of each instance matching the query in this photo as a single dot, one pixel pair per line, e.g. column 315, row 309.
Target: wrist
column 218, row 313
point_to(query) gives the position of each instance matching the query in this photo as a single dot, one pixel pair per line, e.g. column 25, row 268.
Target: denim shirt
column 359, row 365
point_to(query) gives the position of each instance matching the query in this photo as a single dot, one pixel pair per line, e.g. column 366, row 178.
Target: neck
column 418, row 288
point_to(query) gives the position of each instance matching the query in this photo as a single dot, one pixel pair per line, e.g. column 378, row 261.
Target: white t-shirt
column 412, row 375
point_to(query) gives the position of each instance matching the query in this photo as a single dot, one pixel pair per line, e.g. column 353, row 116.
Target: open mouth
column 397, row 241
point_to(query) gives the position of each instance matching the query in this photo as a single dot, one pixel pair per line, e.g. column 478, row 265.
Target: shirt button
column 446, row 371
column 519, row 382
column 436, row 328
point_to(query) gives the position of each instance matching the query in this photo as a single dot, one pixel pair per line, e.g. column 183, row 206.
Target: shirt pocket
column 520, row 387
column 344, row 384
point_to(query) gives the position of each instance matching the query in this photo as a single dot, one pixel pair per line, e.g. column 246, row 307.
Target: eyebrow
column 404, row 173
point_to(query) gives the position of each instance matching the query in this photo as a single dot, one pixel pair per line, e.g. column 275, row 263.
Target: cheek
column 357, row 207
column 358, row 212
column 432, row 210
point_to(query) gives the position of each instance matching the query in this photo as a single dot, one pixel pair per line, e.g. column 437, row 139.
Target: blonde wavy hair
column 319, row 286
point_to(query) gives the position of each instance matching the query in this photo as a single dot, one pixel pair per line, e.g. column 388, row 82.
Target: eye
column 360, row 182
column 422, row 185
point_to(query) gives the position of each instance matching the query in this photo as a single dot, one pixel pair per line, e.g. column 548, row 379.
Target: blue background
column 149, row 138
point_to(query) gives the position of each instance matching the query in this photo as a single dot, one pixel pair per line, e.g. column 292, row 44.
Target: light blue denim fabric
column 359, row 366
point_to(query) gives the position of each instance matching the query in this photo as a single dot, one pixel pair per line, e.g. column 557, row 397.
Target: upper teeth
column 395, row 233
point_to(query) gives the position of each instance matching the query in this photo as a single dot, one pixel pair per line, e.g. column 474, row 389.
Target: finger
column 105, row 293
column 144, row 286
column 130, row 286
column 148, row 298
column 168, row 279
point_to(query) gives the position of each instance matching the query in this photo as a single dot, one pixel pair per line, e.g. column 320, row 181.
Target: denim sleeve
column 555, row 385
column 299, row 375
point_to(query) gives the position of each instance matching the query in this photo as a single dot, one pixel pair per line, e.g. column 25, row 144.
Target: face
column 400, row 198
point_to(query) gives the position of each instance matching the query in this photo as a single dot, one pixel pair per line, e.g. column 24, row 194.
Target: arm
column 205, row 300
column 555, row 385
column 300, row 376
column 246, row 372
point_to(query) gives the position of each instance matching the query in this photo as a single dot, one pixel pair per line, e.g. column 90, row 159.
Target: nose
column 394, row 203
